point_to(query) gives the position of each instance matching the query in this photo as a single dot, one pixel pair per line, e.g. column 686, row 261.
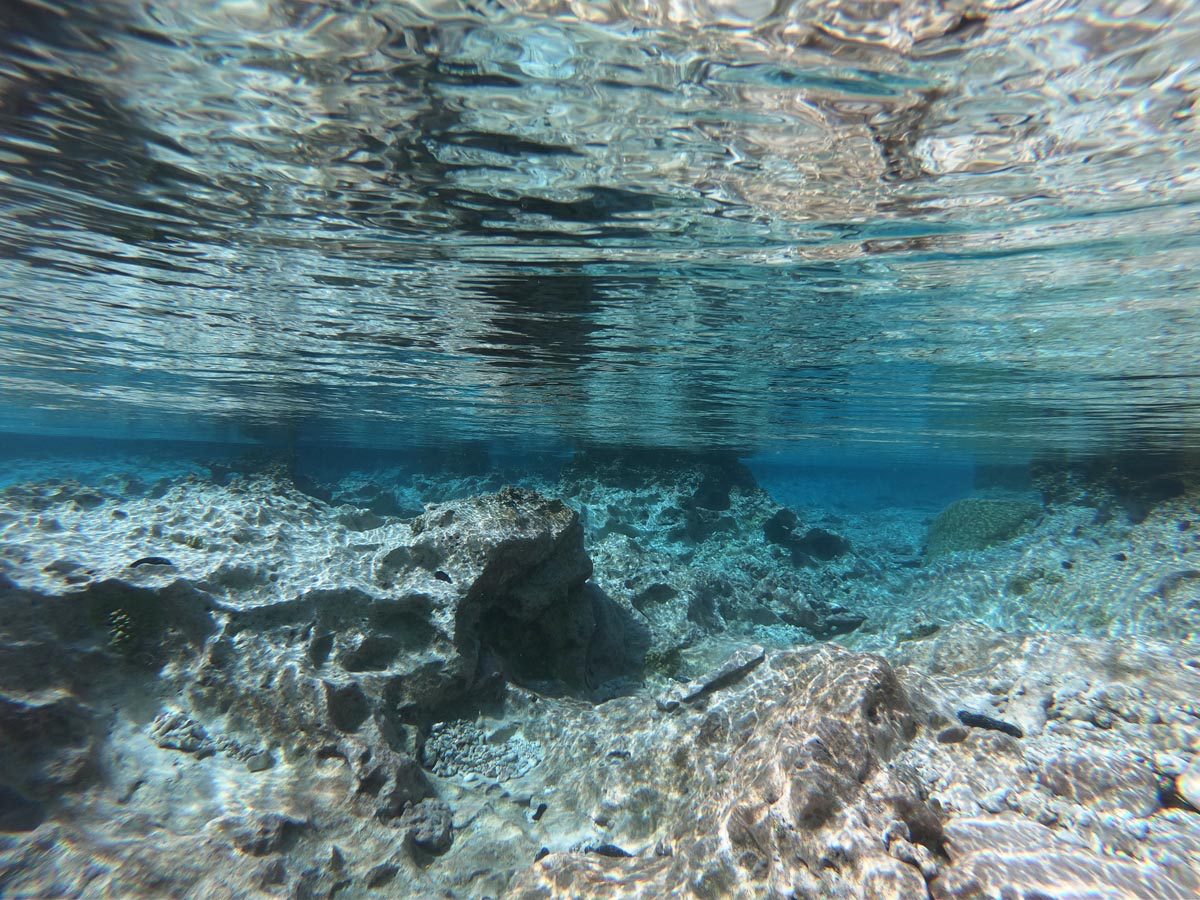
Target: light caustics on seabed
column 536, row 448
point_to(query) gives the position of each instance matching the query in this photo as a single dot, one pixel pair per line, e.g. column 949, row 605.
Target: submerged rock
column 749, row 788
column 977, row 523
column 490, row 581
column 422, row 689
column 815, row 544
column 999, row 857
column 428, row 825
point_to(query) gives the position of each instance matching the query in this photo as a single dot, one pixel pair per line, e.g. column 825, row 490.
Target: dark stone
column 272, row 873
column 44, row 745
column 382, row 874
column 619, row 643
column 840, row 623
column 816, row 543
column 347, row 705
column 920, row 630
column 979, row 720
column 653, row 595
column 822, row 544
column 712, row 494
column 539, row 812
column 429, row 825
column 151, row 561
column 272, row 833
column 702, row 609
column 320, row 648
column 760, row 615
column 700, row 524
column 88, row 500
column 442, row 576
column 780, row 527
column 952, row 735
column 608, row 850
column 802, row 617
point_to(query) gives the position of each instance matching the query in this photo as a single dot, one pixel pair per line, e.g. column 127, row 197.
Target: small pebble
column 259, row 762
column 952, row 735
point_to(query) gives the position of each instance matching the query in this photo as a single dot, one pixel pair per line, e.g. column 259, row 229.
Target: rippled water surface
column 968, row 223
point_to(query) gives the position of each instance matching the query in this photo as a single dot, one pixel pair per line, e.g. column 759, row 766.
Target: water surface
column 698, row 224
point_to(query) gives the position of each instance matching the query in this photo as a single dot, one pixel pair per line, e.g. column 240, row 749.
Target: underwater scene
column 621, row 449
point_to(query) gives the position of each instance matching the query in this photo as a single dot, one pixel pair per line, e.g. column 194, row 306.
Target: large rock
column 977, row 523
column 482, row 589
column 775, row 780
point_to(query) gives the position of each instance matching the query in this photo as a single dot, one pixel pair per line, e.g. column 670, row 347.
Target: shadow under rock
column 615, row 645
column 617, row 656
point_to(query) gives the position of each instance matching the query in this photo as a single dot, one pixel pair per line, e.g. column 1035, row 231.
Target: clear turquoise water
column 869, row 323
column 749, row 225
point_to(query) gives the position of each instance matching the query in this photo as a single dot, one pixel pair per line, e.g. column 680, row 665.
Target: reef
column 619, row 682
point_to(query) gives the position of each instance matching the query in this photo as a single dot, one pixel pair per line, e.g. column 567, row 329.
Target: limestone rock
column 1003, row 857
column 491, row 584
column 46, row 741
column 1104, row 782
column 756, row 788
column 428, row 825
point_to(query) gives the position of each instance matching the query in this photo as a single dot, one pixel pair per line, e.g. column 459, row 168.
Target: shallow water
column 628, row 449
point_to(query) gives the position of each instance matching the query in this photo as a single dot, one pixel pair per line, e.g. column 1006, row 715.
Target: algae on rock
column 977, row 523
